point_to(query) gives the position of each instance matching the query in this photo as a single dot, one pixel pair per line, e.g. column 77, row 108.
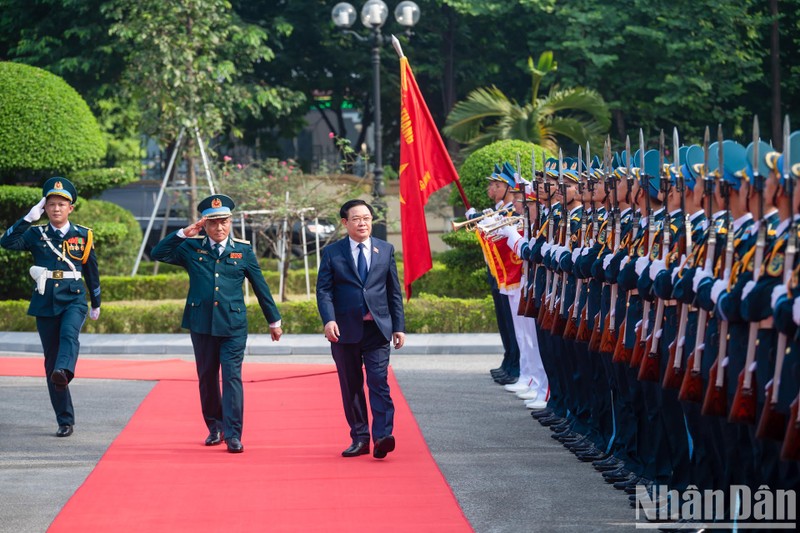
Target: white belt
column 63, row 274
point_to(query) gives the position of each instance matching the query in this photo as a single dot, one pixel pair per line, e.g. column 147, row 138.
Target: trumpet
column 490, row 230
column 473, row 223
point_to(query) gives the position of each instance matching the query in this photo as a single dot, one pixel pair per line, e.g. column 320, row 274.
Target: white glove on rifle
column 718, row 288
column 747, row 288
column 36, row 212
column 641, row 264
column 607, row 261
column 777, row 292
column 699, row 276
column 657, row 267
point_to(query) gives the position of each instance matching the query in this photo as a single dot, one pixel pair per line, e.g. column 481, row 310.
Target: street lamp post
column 373, row 16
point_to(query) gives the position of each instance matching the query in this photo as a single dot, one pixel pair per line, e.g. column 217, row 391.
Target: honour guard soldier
column 216, row 313
column 64, row 259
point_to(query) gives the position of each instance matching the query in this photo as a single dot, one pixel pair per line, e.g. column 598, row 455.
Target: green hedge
column 481, row 163
column 90, row 183
column 46, row 127
column 424, row 314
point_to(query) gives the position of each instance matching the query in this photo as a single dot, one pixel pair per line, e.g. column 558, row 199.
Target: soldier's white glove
column 641, row 264
column 487, row 211
column 718, row 288
column 546, row 248
column 625, row 260
column 577, row 252
column 607, row 261
column 796, row 311
column 585, row 250
column 36, row 212
column 747, row 288
column 657, row 267
column 699, row 276
column 471, row 211
column 94, row 313
column 777, row 292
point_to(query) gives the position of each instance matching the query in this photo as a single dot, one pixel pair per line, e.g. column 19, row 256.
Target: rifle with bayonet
column 546, row 311
column 640, row 347
column 651, row 364
column 526, row 234
column 571, row 329
column 621, row 353
column 585, row 333
column 532, row 306
column 772, row 424
column 673, row 375
column 559, row 321
column 716, row 398
column 692, row 385
column 608, row 337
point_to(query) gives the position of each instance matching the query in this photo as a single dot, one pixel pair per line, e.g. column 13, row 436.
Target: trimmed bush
column 425, row 314
column 117, row 234
column 92, row 182
column 481, row 163
column 46, row 128
column 443, row 281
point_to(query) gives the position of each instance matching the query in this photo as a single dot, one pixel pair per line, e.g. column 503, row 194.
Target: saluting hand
column 193, row 229
column 36, row 211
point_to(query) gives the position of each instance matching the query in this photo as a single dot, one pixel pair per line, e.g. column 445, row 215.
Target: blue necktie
column 362, row 263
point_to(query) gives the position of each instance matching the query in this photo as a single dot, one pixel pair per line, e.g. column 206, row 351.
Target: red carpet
column 158, row 476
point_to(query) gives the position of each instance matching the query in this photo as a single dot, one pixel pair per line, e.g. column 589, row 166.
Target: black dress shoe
column 234, row 445
column 64, row 431
column 383, row 446
column 587, row 457
column 617, row 475
column 496, row 371
column 624, row 485
column 507, row 380
column 214, row 438
column 544, row 413
column 608, row 464
column 60, row 379
column 355, row 449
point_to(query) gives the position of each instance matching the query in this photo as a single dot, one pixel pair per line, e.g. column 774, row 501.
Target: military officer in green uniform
column 63, row 255
column 215, row 312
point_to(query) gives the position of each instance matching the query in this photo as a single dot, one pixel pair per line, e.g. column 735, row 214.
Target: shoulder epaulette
column 241, row 241
column 82, row 226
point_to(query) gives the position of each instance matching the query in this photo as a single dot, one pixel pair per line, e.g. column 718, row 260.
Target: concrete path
column 505, row 470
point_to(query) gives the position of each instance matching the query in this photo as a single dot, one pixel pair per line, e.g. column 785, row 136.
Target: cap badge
column 216, row 203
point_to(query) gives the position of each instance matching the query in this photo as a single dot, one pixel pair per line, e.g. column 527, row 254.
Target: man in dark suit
column 359, row 300
column 215, row 311
column 63, row 255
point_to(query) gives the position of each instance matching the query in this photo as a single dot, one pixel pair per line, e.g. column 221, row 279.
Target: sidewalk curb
column 257, row 344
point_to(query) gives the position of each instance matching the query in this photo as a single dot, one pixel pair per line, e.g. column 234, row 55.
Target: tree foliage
column 188, row 64
column 45, row 125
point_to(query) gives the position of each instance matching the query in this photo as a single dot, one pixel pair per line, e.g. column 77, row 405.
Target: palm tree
column 487, row 115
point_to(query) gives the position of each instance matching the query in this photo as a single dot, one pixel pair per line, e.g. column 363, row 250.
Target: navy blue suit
column 343, row 297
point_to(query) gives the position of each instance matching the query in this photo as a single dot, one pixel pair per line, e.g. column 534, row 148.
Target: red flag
column 425, row 167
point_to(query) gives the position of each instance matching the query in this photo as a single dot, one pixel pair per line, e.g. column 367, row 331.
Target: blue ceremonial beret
column 735, row 161
column 216, row 206
column 495, row 175
column 617, row 160
column 596, row 162
column 689, row 170
column 763, row 169
column 60, row 187
column 776, row 162
column 551, row 167
column 507, row 175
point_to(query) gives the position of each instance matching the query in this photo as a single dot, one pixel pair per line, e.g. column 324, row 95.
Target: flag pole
column 399, row 50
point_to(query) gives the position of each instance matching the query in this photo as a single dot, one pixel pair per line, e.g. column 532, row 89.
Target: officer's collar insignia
column 216, row 203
